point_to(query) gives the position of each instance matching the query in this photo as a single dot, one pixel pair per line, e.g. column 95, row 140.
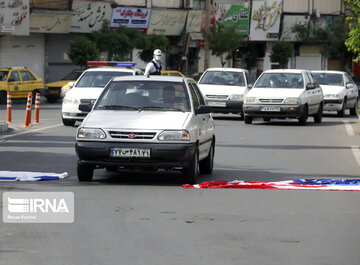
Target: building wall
column 296, row 6
column 141, row 3
column 330, row 7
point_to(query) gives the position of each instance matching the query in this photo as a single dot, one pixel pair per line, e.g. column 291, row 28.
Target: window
column 14, row 77
column 24, row 76
column 198, row 93
column 194, row 98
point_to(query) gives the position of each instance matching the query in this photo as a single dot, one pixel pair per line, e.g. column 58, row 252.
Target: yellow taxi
column 54, row 89
column 19, row 81
column 172, row 73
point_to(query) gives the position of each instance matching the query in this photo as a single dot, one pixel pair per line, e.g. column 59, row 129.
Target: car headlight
column 250, row 100
column 174, row 136
column 292, row 101
column 236, row 97
column 332, row 96
column 70, row 100
column 90, row 133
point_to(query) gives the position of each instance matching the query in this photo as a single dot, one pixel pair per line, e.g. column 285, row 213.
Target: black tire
column 266, row 119
column 248, row 120
column 3, row 98
column 190, row 173
column 341, row 113
column 319, row 114
column 206, row 166
column 353, row 110
column 304, row 116
column 241, row 116
column 68, row 122
column 85, row 173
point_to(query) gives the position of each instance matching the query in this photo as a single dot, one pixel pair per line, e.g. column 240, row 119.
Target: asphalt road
column 143, row 218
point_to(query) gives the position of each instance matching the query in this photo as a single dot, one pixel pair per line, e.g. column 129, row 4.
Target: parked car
column 89, row 86
column 172, row 73
column 148, row 123
column 340, row 91
column 54, row 89
column 224, row 89
column 19, row 81
column 289, row 93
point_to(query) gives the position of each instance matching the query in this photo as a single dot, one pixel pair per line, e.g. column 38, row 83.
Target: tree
column 223, row 39
column 281, row 51
column 117, row 43
column 353, row 40
column 150, row 43
column 82, row 50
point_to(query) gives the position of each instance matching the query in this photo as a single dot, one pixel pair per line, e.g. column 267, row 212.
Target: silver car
column 154, row 122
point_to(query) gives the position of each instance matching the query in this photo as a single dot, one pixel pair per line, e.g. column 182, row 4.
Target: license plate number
column 276, row 109
column 216, row 104
column 129, row 152
column 54, row 92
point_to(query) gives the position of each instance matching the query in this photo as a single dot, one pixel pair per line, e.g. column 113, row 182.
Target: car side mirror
column 249, row 86
column 70, row 84
column 203, row 110
column 348, row 86
column 310, row 86
column 85, row 107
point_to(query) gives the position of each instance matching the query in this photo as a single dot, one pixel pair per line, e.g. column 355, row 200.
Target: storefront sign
column 131, row 17
column 196, row 20
column 14, row 17
column 167, row 22
column 230, row 15
column 89, row 15
column 50, row 23
column 265, row 19
column 288, row 23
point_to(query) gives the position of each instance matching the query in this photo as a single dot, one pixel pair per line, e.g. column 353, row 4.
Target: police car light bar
column 111, row 63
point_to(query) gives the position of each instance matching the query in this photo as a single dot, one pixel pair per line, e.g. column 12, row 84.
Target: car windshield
column 280, row 80
column 72, row 76
column 3, row 75
column 223, row 78
column 98, row 78
column 330, row 79
column 144, row 95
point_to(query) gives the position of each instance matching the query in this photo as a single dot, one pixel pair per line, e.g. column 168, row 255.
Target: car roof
column 112, row 69
column 225, row 69
column 327, row 71
column 151, row 78
column 297, row 71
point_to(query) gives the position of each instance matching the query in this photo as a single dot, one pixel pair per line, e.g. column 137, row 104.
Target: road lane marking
column 356, row 153
column 349, row 128
column 30, row 131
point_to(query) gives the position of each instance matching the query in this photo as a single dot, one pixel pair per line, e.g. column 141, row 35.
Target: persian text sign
column 38, row 207
column 230, row 15
column 130, row 17
column 265, row 20
column 196, row 20
column 167, row 22
column 50, row 23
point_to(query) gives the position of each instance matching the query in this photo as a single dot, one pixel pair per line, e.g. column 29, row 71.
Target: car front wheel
column 353, row 110
column 68, row 122
column 190, row 173
column 248, row 120
column 319, row 114
column 304, row 116
column 85, row 173
column 341, row 113
column 206, row 165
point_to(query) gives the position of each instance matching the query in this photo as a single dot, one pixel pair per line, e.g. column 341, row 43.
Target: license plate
column 129, row 152
column 216, row 104
column 276, row 109
column 54, row 92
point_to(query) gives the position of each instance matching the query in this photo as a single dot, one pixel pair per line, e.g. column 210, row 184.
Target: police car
column 150, row 123
column 89, row 86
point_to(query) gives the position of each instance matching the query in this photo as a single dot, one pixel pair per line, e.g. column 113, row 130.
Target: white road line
column 356, row 153
column 349, row 128
column 30, row 131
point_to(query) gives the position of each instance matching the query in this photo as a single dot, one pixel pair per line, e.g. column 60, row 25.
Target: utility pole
column 207, row 28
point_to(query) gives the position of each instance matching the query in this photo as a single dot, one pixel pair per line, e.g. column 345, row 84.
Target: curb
column 4, row 127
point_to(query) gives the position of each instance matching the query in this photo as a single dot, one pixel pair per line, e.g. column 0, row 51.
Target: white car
column 340, row 91
column 224, row 89
column 149, row 123
column 289, row 93
column 88, row 88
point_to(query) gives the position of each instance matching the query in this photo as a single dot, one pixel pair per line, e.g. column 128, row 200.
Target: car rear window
column 98, row 78
column 280, row 80
column 223, row 78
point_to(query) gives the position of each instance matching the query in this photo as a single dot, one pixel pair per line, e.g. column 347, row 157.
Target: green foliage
column 117, row 43
column 151, row 43
column 353, row 40
column 281, row 52
column 223, row 39
column 82, row 50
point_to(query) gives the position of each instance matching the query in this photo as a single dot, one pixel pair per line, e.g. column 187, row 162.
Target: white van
column 289, row 93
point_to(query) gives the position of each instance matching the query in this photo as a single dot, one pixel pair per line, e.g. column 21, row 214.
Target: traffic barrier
column 37, row 108
column 8, row 107
column 28, row 111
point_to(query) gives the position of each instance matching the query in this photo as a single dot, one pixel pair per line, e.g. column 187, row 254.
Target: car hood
column 274, row 93
column 85, row 92
column 144, row 120
column 331, row 89
column 221, row 89
column 57, row 83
